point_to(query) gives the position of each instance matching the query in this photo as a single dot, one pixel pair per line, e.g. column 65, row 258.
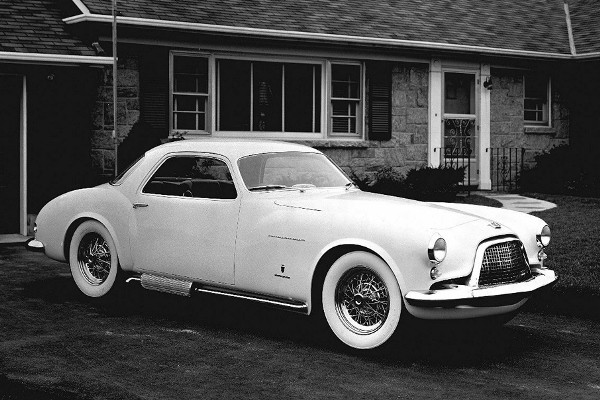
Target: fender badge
column 495, row 225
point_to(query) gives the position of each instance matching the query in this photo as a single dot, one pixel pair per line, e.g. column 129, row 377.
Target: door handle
column 138, row 205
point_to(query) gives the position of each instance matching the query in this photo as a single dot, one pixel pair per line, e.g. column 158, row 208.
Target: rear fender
column 121, row 241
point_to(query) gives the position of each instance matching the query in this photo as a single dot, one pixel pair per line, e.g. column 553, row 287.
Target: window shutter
column 154, row 91
column 379, row 75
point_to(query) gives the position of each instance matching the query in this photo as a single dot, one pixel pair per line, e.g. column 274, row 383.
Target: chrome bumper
column 501, row 295
column 34, row 245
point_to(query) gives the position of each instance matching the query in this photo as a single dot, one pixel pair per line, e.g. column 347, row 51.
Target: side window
column 189, row 176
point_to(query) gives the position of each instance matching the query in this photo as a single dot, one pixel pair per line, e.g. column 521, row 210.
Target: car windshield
column 290, row 169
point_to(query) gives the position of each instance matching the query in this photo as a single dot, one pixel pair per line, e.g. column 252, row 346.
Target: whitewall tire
column 93, row 259
column 362, row 301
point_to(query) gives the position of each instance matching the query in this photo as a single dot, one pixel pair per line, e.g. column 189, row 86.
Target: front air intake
column 504, row 262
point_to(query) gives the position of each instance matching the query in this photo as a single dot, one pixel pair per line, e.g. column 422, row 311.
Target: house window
column 265, row 96
column 189, row 93
column 536, row 99
column 346, row 99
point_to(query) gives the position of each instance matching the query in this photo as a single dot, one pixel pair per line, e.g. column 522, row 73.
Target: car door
column 186, row 218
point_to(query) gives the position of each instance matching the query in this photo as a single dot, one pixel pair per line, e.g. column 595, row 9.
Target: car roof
column 231, row 148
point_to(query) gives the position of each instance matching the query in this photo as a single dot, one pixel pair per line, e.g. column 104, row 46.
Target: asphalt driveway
column 57, row 344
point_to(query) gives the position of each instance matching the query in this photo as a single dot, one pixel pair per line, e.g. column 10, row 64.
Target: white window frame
column 360, row 109
column 547, row 111
column 288, row 135
column 208, row 108
column 212, row 106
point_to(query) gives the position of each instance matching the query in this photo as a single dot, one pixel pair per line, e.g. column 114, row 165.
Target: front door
column 186, row 220
column 10, row 133
column 460, row 124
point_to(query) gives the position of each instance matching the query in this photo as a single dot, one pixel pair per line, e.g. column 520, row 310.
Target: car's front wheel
column 93, row 259
column 362, row 301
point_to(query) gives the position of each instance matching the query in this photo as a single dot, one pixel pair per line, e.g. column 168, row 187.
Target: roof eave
column 321, row 37
column 43, row 58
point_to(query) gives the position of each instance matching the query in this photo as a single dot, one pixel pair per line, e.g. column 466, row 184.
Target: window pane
column 536, row 98
column 302, row 89
column 344, row 107
column 459, row 93
column 290, row 168
column 536, row 86
column 192, row 177
column 185, row 121
column 345, row 80
column 234, row 95
column 343, row 125
column 190, row 74
column 267, row 87
column 185, row 103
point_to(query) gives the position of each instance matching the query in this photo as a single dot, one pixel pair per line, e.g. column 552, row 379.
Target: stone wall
column 507, row 127
column 128, row 112
column 407, row 148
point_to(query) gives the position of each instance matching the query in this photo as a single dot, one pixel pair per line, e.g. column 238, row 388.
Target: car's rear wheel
column 93, row 259
column 361, row 300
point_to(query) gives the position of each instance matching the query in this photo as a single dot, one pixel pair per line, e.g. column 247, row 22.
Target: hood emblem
column 495, row 225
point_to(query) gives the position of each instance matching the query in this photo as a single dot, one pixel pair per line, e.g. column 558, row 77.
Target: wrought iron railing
column 506, row 166
column 453, row 157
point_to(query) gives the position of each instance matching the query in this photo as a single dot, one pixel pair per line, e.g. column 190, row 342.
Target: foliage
column 140, row 139
column 564, row 170
column 425, row 183
column 434, row 184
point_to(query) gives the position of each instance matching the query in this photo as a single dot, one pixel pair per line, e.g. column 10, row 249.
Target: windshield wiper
column 349, row 185
column 267, row 187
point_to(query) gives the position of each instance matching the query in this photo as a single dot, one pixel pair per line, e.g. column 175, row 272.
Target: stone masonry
column 407, row 148
column 507, row 127
column 128, row 112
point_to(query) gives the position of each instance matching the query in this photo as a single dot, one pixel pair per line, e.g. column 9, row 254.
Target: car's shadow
column 426, row 343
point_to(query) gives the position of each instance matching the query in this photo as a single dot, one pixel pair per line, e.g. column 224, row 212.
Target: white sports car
column 281, row 224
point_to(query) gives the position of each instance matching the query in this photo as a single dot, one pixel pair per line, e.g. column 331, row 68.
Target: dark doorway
column 10, row 126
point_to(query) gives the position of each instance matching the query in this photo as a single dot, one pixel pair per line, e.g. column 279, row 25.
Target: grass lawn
column 573, row 251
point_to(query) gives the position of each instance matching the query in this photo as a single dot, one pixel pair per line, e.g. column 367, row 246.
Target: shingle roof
column 533, row 25
column 585, row 20
column 36, row 26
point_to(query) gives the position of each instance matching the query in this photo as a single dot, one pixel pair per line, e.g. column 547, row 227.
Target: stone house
column 399, row 83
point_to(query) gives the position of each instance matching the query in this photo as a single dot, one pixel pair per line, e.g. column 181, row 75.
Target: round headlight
column 544, row 237
column 437, row 250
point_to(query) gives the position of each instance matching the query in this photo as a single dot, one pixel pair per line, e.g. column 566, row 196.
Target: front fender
column 366, row 244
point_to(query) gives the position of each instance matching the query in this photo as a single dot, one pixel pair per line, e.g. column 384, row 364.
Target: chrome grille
column 504, row 263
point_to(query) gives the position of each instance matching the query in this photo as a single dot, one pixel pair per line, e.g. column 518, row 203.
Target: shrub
column 433, row 184
column 563, row 170
column 426, row 183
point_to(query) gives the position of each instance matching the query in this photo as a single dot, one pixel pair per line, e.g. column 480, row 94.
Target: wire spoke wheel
column 362, row 300
column 94, row 259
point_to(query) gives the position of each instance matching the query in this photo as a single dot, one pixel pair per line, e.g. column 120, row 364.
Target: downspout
column 569, row 28
column 115, row 112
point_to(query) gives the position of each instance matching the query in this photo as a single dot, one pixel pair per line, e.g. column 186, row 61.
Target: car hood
column 371, row 205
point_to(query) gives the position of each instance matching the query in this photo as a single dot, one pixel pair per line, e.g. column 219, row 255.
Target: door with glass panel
column 460, row 125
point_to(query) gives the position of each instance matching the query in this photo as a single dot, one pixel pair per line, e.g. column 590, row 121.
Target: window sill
column 540, row 130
